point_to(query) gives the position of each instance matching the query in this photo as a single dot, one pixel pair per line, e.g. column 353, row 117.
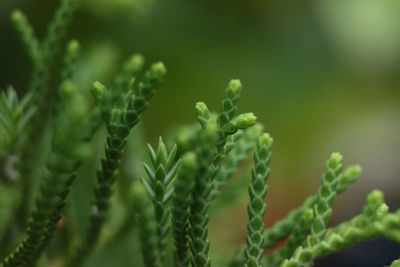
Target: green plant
column 181, row 182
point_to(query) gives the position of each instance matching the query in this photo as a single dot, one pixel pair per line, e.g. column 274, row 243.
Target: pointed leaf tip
column 188, row 161
column 335, row 159
column 18, row 16
column 68, row 89
column 375, row 197
column 73, row 47
column 98, row 90
column 159, row 69
column 354, row 171
column 201, row 108
column 244, row 120
column 236, row 86
column 265, row 140
column 136, row 62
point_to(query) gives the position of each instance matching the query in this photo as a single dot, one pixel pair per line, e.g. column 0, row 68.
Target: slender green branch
column 27, row 35
column 240, row 151
column 147, row 227
column 43, row 97
column 49, row 47
column 210, row 155
column 180, row 213
column 57, row 28
column 67, row 152
column 298, row 236
column 322, row 213
column 229, row 104
column 257, row 208
column 66, row 92
column 119, row 123
column 70, row 58
column 199, row 244
column 282, row 228
column 362, row 227
column 121, row 85
column 326, row 197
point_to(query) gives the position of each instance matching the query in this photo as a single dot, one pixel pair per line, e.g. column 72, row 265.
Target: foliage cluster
column 45, row 138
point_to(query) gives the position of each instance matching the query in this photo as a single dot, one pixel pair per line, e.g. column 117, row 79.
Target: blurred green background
column 322, row 76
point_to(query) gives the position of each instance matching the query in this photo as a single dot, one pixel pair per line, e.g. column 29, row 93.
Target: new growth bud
column 351, row 174
column 98, row 90
column 265, row 140
column 68, row 89
column 73, row 48
column 159, row 69
column 335, row 160
column 382, row 210
column 375, row 197
column 244, row 120
column 201, row 109
column 203, row 114
column 189, row 161
column 135, row 63
column 235, row 86
column 138, row 192
column 18, row 17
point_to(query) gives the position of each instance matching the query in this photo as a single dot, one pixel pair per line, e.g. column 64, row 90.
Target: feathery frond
column 158, row 185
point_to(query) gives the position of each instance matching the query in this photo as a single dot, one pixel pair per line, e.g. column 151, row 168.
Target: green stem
column 257, row 208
